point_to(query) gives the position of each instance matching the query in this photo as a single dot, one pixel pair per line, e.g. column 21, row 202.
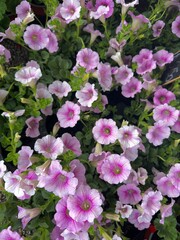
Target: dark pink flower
column 131, row 88
column 157, row 28
column 105, row 131
column 162, row 96
column 163, row 57
column 69, row 114
column 7, row 234
column 129, row 194
column 176, row 26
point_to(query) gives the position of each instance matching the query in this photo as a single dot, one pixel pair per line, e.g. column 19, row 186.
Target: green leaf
column 2, row 9
column 44, row 102
column 167, row 230
column 12, row 157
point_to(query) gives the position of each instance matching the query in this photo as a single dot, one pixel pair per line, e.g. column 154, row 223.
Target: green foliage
column 168, row 230
column 3, row 8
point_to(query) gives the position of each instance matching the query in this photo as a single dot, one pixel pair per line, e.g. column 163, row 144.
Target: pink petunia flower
column 129, row 194
column 71, row 143
column 58, row 181
column 167, row 114
column 162, row 96
column 60, row 89
column 126, row 5
column 24, row 160
column 123, row 75
column 85, row 205
column 3, row 168
column 49, row 146
column 5, row 52
column 137, row 21
column 87, row 58
column 79, row 171
column 36, row 37
column 146, row 67
column 128, row 137
column 144, row 55
column 134, row 219
column 105, row 131
column 157, row 133
column 166, row 187
column 52, row 45
column 142, row 175
column 131, row 88
column 23, row 9
column 149, row 84
column 151, row 202
column 33, row 127
column 176, row 26
column 70, row 10
column 157, row 28
column 106, row 3
column 26, row 214
column 115, row 169
column 166, row 211
column 100, row 13
column 87, row 95
column 68, row 114
column 174, row 175
column 124, row 210
column 67, row 235
column 7, row 234
column 104, row 76
column 176, row 126
column 94, row 33
column 118, row 46
column 163, row 57
column 63, row 220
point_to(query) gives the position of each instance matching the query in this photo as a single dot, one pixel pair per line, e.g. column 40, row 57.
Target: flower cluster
column 89, row 124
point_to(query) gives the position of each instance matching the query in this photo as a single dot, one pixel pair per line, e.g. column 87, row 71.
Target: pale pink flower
column 144, row 55
column 7, row 234
column 115, row 169
column 149, row 84
column 52, row 45
column 26, row 214
column 167, row 114
column 146, row 67
column 166, row 187
column 104, row 76
column 174, row 175
column 85, row 205
column 70, row 10
column 176, row 126
column 79, row 171
column 157, row 133
column 87, row 95
column 58, row 181
column 137, row 21
column 10, row 115
column 142, row 175
column 126, row 4
column 68, row 115
column 87, row 58
column 24, row 160
column 131, row 88
column 129, row 194
column 105, row 131
column 63, row 220
column 163, row 57
column 133, row 179
column 124, row 210
column 28, row 75
column 162, row 96
column 100, row 13
column 3, row 168
column 123, row 75
column 23, row 9
column 131, row 153
column 33, row 127
column 157, row 28
column 128, row 136
column 36, row 37
column 71, row 143
column 133, row 219
column 176, row 26
column 166, row 211
column 60, row 89
column 67, row 235
column 94, row 33
column 5, row 52
column 118, row 46
column 49, row 146
column 151, row 202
